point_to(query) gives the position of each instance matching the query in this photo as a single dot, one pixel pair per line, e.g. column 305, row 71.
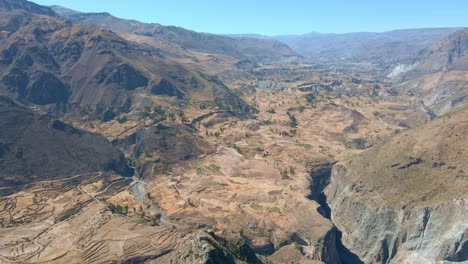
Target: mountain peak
column 63, row 10
column 26, row 6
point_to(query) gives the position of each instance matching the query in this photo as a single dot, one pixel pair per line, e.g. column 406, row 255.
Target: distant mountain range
column 68, row 62
column 241, row 48
column 386, row 47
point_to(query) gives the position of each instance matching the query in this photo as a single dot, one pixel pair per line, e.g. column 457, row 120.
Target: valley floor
column 258, row 180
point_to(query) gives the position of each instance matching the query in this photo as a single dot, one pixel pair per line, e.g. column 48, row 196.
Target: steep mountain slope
column 447, row 54
column 385, row 47
column 405, row 200
column 161, row 146
column 241, row 48
column 439, row 73
column 34, row 147
column 66, row 66
column 27, row 6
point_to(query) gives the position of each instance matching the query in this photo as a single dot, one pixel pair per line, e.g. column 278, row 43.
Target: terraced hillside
column 126, row 142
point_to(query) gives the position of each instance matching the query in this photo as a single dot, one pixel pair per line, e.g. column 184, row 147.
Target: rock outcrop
column 405, row 201
column 438, row 74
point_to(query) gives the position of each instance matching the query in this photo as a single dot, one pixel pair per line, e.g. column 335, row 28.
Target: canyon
column 129, row 142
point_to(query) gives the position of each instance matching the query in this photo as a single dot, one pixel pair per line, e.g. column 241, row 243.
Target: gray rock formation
column 381, row 233
column 405, row 200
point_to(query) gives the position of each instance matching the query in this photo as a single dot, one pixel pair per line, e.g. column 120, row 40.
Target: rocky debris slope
column 405, row 201
column 34, row 147
column 438, row 73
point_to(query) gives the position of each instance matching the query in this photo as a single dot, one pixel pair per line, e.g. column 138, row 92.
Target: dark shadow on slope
column 346, row 256
column 320, row 178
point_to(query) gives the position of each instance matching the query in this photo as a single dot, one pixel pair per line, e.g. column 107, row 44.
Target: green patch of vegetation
column 122, row 119
column 211, row 183
column 238, row 149
column 292, row 119
column 285, row 134
column 286, row 172
column 256, row 206
column 215, row 134
column 213, row 168
column 323, row 150
column 159, row 114
column 208, row 168
column 261, row 231
column 171, row 116
column 182, row 117
column 274, row 210
column 208, row 124
column 118, row 209
column 304, row 145
column 311, row 98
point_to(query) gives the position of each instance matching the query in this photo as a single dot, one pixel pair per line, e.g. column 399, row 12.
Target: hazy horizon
column 281, row 18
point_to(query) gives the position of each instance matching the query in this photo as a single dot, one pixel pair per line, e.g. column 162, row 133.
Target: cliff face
column 381, row 233
column 405, row 201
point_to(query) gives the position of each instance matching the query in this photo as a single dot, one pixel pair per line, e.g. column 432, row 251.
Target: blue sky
column 279, row 17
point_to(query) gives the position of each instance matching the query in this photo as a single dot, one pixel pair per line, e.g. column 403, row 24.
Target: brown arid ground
column 258, row 180
column 253, row 182
column 236, row 150
column 410, row 191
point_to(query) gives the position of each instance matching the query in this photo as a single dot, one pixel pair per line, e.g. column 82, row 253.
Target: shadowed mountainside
column 34, row 148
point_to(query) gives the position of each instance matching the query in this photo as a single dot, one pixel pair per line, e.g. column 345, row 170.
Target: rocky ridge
column 405, row 200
